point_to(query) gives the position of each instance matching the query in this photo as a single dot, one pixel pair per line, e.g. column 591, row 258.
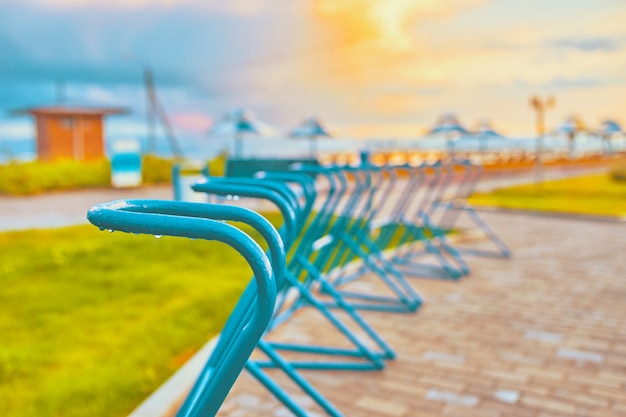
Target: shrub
column 37, row 176
column 217, row 165
column 34, row 177
column 156, row 170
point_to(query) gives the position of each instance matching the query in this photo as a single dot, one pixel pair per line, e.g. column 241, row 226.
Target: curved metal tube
column 146, row 218
column 222, row 188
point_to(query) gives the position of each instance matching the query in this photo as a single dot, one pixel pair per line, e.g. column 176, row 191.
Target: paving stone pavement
column 539, row 335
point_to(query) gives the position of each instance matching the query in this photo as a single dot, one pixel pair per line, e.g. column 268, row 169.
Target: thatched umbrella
column 310, row 129
column 608, row 129
column 484, row 132
column 571, row 128
column 449, row 126
column 237, row 123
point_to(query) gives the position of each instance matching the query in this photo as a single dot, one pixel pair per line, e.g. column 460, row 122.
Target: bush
column 22, row 178
column 37, row 176
column 217, row 165
column 156, row 170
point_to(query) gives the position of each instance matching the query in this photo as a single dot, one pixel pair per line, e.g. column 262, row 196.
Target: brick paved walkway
column 539, row 335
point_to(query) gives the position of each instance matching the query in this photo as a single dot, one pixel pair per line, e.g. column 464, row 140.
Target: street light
column 540, row 106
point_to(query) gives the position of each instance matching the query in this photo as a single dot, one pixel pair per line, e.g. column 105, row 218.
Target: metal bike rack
column 279, row 195
column 457, row 204
column 433, row 182
column 203, row 221
column 348, row 231
column 385, row 223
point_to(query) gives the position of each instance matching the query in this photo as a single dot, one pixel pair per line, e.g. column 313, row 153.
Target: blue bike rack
column 431, row 182
column 245, row 187
column 457, row 204
column 349, row 233
column 326, row 242
column 198, row 221
column 236, row 186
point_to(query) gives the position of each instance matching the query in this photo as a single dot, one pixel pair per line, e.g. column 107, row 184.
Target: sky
column 369, row 69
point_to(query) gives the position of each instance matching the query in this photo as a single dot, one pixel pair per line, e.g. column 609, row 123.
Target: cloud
column 208, row 53
column 604, row 44
column 370, row 36
column 191, row 122
column 16, row 129
column 387, row 24
column 581, row 82
column 234, row 7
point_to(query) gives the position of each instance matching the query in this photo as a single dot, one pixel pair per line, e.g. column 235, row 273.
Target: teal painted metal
column 197, row 220
column 278, row 194
column 444, row 200
column 239, row 186
column 248, row 167
column 302, row 263
column 349, row 233
column 454, row 206
column 355, row 221
column 220, row 186
column 433, row 183
column 180, row 187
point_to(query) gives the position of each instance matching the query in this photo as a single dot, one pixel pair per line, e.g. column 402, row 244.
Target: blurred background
column 377, row 71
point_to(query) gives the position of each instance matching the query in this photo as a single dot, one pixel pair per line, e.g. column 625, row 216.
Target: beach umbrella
column 611, row 127
column 449, row 126
column 310, row 129
column 607, row 130
column 570, row 128
column 485, row 131
column 572, row 125
column 238, row 123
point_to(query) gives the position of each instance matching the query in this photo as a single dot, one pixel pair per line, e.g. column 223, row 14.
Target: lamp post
column 540, row 106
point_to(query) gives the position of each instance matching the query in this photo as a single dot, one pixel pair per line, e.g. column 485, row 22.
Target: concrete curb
column 166, row 400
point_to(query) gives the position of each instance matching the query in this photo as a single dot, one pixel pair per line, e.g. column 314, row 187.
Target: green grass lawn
column 92, row 322
column 593, row 194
